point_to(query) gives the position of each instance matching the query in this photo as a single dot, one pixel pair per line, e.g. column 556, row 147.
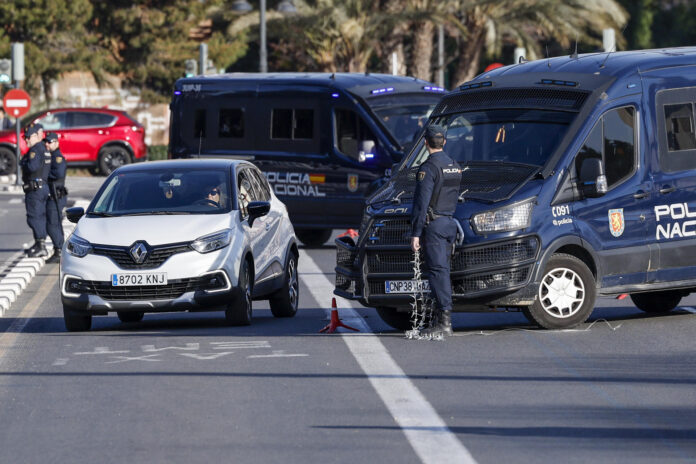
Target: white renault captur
column 186, row 235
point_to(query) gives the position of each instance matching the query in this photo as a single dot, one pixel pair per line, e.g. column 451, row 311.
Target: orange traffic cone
column 352, row 233
column 335, row 321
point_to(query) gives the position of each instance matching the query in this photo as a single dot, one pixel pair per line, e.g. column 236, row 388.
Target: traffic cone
column 335, row 321
column 352, row 233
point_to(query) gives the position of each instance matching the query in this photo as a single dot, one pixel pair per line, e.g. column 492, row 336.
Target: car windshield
column 502, row 136
column 164, row 191
column 404, row 122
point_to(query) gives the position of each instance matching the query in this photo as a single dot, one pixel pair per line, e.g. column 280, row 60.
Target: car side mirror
column 367, row 150
column 593, row 182
column 257, row 209
column 74, row 214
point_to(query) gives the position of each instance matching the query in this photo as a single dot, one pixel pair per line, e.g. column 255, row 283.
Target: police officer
column 35, row 165
column 57, row 196
column 437, row 192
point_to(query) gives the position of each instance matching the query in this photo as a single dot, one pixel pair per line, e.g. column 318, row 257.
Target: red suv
column 98, row 138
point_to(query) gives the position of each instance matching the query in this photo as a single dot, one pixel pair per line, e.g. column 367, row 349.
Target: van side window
column 292, row 123
column 350, row 131
column 199, row 123
column 231, row 123
column 679, row 121
column 619, row 144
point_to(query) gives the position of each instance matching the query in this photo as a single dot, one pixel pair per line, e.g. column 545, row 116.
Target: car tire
column 313, row 237
column 284, row 302
column 238, row 312
column 111, row 158
column 130, row 316
column 75, row 321
column 8, row 162
column 556, row 307
column 400, row 320
column 657, row 302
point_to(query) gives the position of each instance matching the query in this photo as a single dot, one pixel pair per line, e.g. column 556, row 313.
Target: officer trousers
column 438, row 237
column 35, row 203
column 54, row 220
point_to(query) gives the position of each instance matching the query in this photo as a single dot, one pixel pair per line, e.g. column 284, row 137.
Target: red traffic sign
column 16, row 102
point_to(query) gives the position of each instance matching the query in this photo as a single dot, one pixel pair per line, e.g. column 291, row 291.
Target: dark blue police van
column 323, row 140
column 579, row 180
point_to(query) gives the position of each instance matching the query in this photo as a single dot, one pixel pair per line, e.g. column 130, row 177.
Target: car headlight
column 513, row 217
column 213, row 241
column 79, row 247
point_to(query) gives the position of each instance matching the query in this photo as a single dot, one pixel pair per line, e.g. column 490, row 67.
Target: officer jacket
column 437, row 188
column 36, row 163
column 56, row 175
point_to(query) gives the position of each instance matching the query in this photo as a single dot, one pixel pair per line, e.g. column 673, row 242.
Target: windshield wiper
column 100, row 214
column 156, row 213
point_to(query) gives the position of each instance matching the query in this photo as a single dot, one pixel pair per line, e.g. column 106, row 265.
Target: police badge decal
column 616, row 222
column 352, row 182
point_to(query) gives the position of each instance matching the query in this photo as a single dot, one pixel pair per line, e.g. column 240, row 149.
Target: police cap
column 31, row 130
column 38, row 126
column 434, row 131
column 51, row 137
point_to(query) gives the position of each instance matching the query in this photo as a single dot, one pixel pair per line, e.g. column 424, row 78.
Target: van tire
column 568, row 273
column 111, row 158
column 130, row 316
column 238, row 312
column 285, row 300
column 657, row 302
column 76, row 321
column 8, row 162
column 313, row 237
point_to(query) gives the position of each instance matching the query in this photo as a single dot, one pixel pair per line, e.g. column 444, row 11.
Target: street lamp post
column 242, row 6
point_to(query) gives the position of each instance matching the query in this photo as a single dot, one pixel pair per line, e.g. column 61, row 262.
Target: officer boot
column 38, row 249
column 55, row 258
column 442, row 325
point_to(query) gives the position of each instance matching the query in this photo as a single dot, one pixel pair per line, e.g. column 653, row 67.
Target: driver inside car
column 212, row 195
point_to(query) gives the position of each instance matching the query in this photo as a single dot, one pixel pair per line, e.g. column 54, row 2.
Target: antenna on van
column 613, row 49
column 200, row 142
column 574, row 55
column 548, row 62
column 333, row 76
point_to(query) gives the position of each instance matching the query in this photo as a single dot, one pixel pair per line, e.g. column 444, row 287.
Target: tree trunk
column 470, row 50
column 423, row 50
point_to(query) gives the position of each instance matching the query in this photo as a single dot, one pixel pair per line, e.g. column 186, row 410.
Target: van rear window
column 680, row 127
column 231, row 123
column 292, row 124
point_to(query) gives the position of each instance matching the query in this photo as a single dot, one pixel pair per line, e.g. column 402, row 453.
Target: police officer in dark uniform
column 437, row 192
column 35, row 165
column 57, row 196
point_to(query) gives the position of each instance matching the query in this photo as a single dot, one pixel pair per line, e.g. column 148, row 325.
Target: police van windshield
column 404, row 122
column 166, row 191
column 505, row 136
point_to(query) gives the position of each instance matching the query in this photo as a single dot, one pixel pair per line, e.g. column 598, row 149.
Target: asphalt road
column 183, row 387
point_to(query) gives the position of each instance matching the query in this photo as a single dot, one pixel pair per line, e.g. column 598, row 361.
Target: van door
column 614, row 224
column 674, row 205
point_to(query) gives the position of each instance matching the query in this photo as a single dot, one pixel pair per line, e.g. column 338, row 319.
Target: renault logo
column 138, row 252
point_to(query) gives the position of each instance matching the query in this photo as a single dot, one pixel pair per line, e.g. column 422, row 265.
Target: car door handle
column 666, row 190
column 639, row 195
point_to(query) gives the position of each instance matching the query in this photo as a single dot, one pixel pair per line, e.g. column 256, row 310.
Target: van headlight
column 213, row 241
column 77, row 246
column 513, row 217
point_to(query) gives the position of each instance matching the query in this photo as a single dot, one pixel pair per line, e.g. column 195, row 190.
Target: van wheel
column 284, row 302
column 238, row 312
column 111, row 158
column 657, row 302
column 313, row 237
column 566, row 294
column 130, row 316
column 75, row 321
column 8, row 162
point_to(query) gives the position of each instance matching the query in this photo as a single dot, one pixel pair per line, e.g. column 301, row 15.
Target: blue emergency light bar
column 335, row 95
column 384, row 90
column 432, row 88
column 476, row 85
column 558, row 82
column 177, row 92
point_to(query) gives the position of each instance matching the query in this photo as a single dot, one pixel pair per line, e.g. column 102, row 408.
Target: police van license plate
column 406, row 286
column 132, row 280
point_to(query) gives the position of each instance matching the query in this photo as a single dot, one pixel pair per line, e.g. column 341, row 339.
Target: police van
column 579, row 180
column 323, row 140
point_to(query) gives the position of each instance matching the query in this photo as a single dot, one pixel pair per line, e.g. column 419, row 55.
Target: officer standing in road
column 57, row 196
column 35, row 165
column 437, row 192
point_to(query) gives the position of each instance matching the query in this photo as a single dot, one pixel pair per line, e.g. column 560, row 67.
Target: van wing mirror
column 74, row 214
column 367, row 150
column 392, row 170
column 593, row 182
column 257, row 209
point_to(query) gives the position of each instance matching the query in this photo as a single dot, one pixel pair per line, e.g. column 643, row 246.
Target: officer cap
column 51, row 137
column 434, row 131
column 31, row 130
column 38, row 126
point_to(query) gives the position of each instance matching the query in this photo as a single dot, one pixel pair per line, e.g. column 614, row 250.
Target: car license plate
column 132, row 280
column 406, row 286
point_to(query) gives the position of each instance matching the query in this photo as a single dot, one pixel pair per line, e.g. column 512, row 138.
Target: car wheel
column 8, row 162
column 111, row 158
column 566, row 294
column 657, row 302
column 284, row 302
column 239, row 311
column 313, row 237
column 130, row 316
column 400, row 320
column 75, row 321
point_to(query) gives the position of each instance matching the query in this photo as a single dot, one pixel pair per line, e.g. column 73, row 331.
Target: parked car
column 97, row 138
column 184, row 235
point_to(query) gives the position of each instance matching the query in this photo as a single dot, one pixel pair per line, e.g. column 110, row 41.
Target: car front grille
column 173, row 289
column 386, row 231
column 157, row 255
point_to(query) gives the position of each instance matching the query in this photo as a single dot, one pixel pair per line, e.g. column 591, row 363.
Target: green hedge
column 157, row 152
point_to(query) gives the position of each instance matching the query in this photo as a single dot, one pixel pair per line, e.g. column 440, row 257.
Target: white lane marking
column 240, row 345
column 427, row 433
column 277, row 354
column 102, row 350
column 207, row 356
column 121, row 359
column 688, row 308
column 15, row 201
column 188, row 347
column 60, row 362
